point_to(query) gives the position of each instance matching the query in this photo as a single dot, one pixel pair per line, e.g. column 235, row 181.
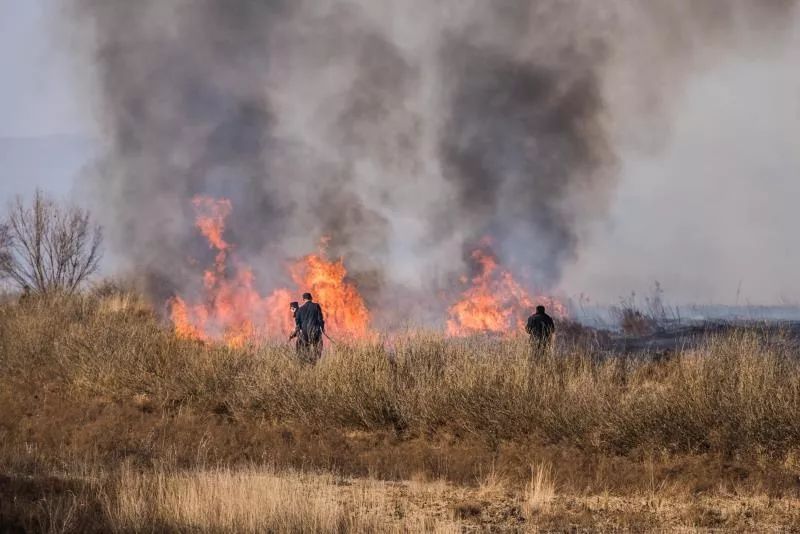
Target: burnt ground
column 673, row 338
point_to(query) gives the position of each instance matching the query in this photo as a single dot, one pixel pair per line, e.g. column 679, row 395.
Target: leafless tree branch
column 5, row 246
column 48, row 248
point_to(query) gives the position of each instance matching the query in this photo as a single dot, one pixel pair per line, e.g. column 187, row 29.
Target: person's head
column 293, row 306
column 539, row 309
column 307, row 296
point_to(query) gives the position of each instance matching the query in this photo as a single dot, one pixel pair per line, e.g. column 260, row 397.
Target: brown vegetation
column 106, row 415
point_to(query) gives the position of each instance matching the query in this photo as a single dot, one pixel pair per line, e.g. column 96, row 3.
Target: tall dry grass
column 245, row 500
column 539, row 492
column 737, row 392
column 103, row 364
column 260, row 500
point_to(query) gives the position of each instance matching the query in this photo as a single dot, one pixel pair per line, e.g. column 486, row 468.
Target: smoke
column 711, row 213
column 405, row 132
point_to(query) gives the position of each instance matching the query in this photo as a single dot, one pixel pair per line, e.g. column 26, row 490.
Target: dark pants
column 309, row 350
column 540, row 345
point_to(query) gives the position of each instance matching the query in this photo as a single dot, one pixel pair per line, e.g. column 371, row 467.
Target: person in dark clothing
column 309, row 329
column 26, row 294
column 293, row 306
column 541, row 329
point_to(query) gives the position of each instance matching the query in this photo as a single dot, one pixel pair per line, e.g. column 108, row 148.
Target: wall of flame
column 233, row 311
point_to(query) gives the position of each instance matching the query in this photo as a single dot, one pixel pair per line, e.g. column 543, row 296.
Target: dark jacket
column 540, row 326
column 310, row 322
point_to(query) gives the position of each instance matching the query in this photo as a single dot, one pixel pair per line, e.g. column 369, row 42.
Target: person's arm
column 321, row 319
column 529, row 325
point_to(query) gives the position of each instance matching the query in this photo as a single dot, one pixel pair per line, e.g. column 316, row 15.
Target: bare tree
column 48, row 248
column 5, row 243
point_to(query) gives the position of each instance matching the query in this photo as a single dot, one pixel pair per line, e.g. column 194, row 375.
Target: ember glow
column 494, row 302
column 232, row 309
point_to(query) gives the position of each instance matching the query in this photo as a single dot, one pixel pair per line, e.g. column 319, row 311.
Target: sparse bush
column 635, row 323
column 636, row 320
column 47, row 248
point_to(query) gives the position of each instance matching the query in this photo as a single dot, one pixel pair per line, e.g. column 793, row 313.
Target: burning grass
column 99, row 381
column 233, row 311
column 230, row 308
column 493, row 300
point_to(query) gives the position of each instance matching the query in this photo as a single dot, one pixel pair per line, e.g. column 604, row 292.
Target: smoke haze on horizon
column 407, row 138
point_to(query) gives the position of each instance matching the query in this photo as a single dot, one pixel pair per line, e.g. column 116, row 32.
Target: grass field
column 110, row 423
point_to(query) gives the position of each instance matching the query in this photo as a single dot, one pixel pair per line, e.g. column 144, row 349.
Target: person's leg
column 538, row 347
column 533, row 347
column 316, row 351
column 302, row 350
column 547, row 345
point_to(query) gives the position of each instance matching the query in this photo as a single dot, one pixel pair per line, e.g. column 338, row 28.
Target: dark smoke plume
column 404, row 131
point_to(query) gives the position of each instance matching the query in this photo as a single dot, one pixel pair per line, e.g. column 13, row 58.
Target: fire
column 494, row 302
column 211, row 215
column 346, row 313
column 234, row 312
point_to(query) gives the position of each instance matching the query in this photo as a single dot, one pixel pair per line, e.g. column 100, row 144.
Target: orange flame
column 234, row 312
column 494, row 302
column 211, row 215
column 345, row 310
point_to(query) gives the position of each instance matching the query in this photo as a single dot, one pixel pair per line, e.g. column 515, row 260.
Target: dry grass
column 493, row 485
column 539, row 492
column 264, row 500
column 739, row 392
column 259, row 500
column 97, row 379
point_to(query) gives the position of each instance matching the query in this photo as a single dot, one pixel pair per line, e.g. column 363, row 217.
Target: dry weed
column 258, row 500
column 539, row 492
column 739, row 392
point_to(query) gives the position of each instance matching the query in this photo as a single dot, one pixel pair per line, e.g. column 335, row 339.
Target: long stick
column 324, row 333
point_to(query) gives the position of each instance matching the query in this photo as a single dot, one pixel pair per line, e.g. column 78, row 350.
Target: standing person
column 541, row 329
column 309, row 326
column 26, row 294
column 293, row 306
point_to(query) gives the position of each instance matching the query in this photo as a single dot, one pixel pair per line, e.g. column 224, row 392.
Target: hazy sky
column 714, row 210
column 45, row 136
column 714, row 214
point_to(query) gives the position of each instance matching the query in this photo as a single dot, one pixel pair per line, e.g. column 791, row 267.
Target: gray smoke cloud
column 404, row 131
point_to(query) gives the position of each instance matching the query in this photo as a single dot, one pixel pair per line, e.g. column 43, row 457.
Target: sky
column 711, row 214
column 45, row 136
